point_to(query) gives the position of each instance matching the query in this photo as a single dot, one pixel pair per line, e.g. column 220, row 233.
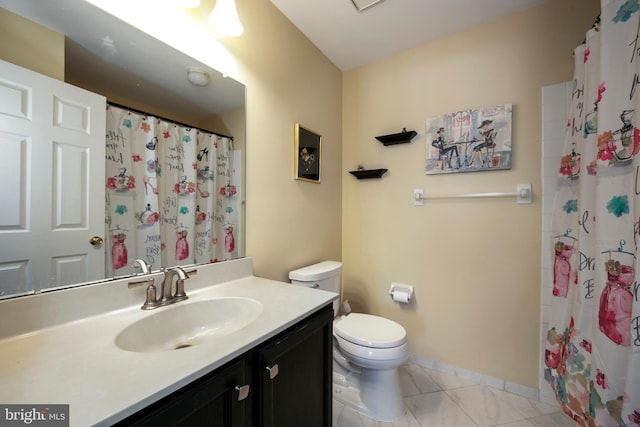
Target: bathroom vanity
column 64, row 347
column 283, row 382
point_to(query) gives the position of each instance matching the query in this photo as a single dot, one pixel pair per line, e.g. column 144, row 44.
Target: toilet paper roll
column 400, row 295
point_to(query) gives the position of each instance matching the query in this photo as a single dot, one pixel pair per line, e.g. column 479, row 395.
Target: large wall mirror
column 141, row 75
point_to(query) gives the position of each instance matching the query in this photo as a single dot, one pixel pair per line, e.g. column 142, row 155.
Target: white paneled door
column 52, row 147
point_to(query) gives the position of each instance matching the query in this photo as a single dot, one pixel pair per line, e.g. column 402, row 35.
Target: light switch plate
column 418, row 194
column 524, row 193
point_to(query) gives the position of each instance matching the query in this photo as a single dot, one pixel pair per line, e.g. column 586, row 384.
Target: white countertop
column 78, row 363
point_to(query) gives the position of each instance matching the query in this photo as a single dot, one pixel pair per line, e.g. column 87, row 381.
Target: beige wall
column 31, row 46
column 289, row 223
column 474, row 263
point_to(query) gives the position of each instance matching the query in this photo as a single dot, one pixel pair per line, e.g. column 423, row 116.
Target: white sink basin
column 186, row 324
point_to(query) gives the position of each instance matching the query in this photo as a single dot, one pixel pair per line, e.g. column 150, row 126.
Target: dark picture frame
column 307, row 156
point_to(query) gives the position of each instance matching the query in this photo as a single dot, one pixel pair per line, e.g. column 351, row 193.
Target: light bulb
column 224, row 19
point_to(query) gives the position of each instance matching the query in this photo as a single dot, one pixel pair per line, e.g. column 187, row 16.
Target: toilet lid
column 370, row 331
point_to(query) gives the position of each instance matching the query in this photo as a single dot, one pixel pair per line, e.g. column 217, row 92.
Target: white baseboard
column 489, row 381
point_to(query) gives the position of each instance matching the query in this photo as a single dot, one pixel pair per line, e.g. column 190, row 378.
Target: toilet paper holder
column 401, row 288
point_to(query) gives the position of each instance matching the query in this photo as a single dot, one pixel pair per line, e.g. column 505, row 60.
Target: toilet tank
column 324, row 275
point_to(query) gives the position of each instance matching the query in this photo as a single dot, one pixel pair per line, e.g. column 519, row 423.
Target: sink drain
column 184, row 345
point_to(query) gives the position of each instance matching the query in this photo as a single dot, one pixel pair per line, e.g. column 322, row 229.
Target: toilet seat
column 369, row 330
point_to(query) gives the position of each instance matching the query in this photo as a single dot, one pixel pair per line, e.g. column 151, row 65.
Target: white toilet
column 367, row 352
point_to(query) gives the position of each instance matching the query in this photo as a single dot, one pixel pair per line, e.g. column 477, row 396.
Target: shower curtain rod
column 124, row 107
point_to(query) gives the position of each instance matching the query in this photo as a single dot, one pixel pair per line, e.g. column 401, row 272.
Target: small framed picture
column 307, row 155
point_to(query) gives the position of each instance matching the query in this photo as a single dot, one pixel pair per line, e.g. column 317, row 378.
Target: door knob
column 96, row 241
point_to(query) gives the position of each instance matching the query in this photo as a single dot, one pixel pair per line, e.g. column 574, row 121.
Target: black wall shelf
column 368, row 173
column 397, row 138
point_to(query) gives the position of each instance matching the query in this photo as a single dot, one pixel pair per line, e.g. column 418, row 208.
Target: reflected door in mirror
column 52, row 140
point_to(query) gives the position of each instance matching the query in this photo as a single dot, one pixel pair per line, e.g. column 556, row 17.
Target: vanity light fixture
column 224, row 18
column 198, row 76
column 364, row 4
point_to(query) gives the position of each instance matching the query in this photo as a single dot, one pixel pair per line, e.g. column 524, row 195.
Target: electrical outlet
column 418, row 194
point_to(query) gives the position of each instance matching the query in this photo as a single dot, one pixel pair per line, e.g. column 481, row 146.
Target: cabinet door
column 296, row 375
column 214, row 400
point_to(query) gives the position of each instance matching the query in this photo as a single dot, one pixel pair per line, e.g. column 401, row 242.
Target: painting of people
column 469, row 140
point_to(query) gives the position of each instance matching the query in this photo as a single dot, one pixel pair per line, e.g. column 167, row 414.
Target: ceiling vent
column 364, row 4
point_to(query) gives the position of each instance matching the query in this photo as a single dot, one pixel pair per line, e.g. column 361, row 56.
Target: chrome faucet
column 166, row 296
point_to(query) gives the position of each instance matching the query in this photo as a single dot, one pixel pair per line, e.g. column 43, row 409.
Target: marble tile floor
column 436, row 399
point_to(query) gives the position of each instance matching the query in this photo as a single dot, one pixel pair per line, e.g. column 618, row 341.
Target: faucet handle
column 151, row 301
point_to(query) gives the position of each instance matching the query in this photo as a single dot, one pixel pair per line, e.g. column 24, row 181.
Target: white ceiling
column 350, row 38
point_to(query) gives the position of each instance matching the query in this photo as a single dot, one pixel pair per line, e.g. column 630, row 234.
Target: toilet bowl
column 376, row 347
column 368, row 350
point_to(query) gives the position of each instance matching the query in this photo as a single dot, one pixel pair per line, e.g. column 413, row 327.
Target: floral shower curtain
column 171, row 193
column 592, row 353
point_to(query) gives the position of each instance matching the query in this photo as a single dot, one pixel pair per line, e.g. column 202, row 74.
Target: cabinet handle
column 273, row 371
column 243, row 391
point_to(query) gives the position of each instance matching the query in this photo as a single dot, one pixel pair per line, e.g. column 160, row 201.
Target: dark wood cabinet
column 296, row 369
column 218, row 399
column 288, row 379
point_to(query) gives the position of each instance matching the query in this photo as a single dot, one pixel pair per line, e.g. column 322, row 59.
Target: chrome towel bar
column 523, row 194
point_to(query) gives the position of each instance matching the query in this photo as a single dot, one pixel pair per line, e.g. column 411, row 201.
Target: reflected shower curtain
column 171, row 197
column 592, row 354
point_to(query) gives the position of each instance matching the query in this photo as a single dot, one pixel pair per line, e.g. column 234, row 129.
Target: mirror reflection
column 171, row 174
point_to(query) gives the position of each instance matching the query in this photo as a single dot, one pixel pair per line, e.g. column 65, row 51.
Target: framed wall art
column 469, row 140
column 307, row 155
